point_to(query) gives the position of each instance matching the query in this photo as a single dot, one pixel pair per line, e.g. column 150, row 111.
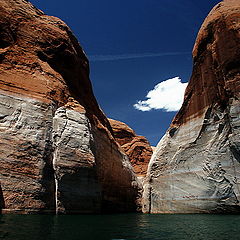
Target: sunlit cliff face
column 195, row 167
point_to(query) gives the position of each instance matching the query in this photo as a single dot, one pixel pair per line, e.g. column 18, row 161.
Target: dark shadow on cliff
column 2, row 203
column 80, row 192
column 48, row 181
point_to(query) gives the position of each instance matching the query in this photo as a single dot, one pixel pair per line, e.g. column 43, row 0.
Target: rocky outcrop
column 136, row 147
column 57, row 153
column 196, row 166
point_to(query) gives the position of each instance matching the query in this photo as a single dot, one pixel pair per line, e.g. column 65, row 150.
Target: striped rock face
column 196, row 166
column 57, row 153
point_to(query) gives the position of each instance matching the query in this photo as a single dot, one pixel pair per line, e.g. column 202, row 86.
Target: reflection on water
column 120, row 226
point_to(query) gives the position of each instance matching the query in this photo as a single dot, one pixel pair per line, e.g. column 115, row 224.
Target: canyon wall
column 136, row 147
column 196, row 166
column 57, row 152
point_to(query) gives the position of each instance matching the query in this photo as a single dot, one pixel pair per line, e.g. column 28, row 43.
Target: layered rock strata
column 57, row 153
column 136, row 147
column 196, row 166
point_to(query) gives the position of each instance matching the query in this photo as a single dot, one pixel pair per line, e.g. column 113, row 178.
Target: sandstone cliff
column 196, row 166
column 57, row 152
column 136, row 147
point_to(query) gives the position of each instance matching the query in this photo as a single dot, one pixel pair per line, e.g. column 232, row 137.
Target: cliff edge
column 57, row 153
column 196, row 166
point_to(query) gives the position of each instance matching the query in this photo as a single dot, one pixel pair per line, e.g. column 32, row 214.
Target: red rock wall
column 216, row 54
column 57, row 152
column 136, row 147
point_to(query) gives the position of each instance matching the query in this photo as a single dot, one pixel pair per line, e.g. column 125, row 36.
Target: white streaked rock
column 197, row 169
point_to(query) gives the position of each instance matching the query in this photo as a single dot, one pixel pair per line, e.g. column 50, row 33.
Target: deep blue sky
column 122, row 29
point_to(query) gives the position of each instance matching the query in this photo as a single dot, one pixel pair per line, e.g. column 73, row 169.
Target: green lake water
column 120, row 226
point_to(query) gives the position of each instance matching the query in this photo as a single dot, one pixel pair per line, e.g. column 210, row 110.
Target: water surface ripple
column 120, row 227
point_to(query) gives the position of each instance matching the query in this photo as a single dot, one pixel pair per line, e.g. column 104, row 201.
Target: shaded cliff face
column 136, row 147
column 196, row 165
column 57, row 153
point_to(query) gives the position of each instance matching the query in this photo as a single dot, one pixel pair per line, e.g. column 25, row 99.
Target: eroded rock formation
column 196, row 166
column 136, row 147
column 57, row 152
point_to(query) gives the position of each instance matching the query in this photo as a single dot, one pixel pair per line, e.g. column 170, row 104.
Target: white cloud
column 167, row 95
